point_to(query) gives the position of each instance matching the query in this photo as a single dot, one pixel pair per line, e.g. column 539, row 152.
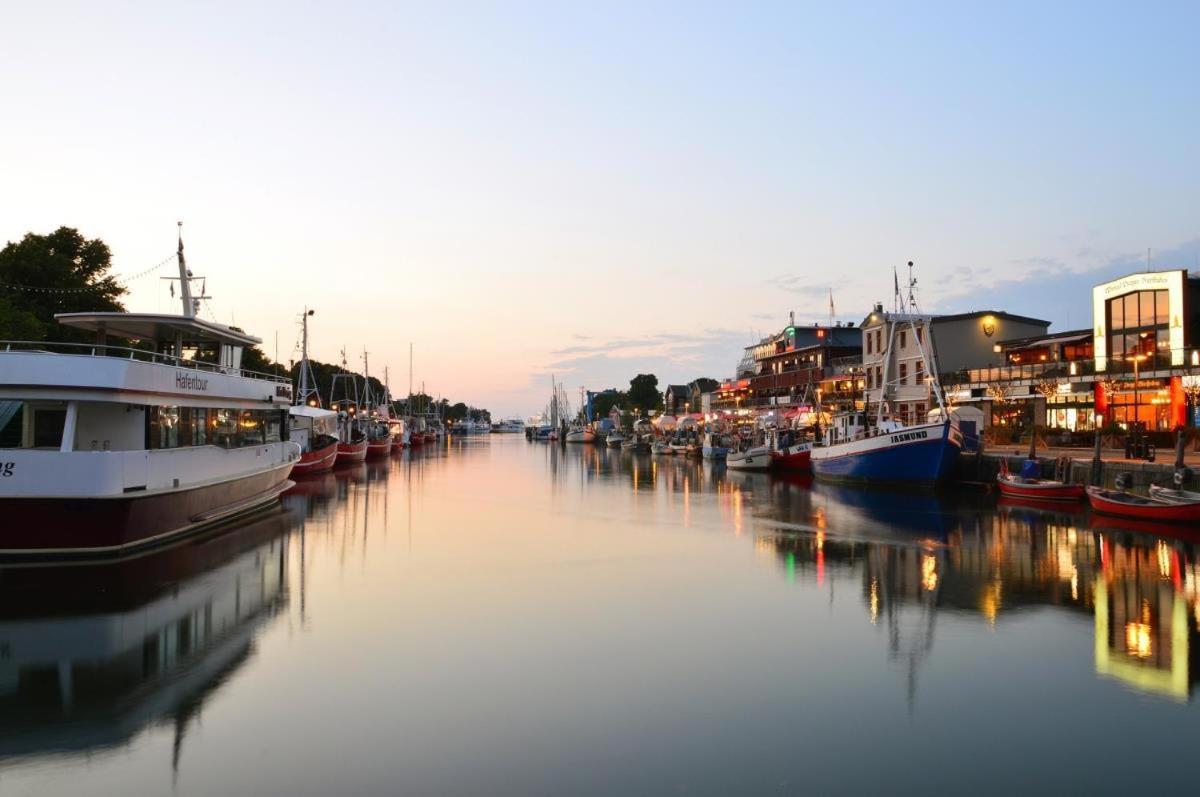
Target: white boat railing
column 140, row 355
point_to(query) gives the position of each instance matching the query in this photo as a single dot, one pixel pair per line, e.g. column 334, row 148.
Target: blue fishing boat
column 886, row 452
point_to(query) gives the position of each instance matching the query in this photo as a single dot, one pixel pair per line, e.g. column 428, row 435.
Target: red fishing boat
column 1016, row 486
column 315, row 430
column 379, row 440
column 1122, row 504
column 788, row 452
column 353, row 451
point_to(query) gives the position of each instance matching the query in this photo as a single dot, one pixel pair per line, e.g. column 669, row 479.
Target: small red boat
column 1122, row 504
column 354, row 451
column 1017, row 486
column 1011, row 484
column 318, row 460
column 379, row 446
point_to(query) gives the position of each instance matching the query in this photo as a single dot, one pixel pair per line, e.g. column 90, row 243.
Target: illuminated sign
column 1173, row 282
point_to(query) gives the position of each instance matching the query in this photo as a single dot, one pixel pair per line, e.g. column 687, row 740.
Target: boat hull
column 1110, row 502
column 581, row 436
column 316, row 461
column 66, row 527
column 1043, row 490
column 754, row 459
column 715, row 452
column 797, row 457
column 351, row 452
column 379, row 448
column 917, row 455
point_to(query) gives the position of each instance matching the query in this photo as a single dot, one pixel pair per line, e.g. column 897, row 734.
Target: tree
column 62, row 272
column 643, row 392
column 456, row 412
column 602, row 403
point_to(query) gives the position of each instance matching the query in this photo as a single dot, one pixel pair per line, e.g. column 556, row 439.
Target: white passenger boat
column 105, row 448
column 614, row 439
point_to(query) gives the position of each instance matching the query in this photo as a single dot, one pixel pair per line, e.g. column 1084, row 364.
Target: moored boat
column 614, row 439
column 315, row 431
column 716, row 446
column 1017, row 486
column 352, row 441
column 754, row 458
column 107, row 448
column 888, row 452
column 578, row 433
column 1128, row 505
column 790, row 453
column 661, row 447
column 1174, row 495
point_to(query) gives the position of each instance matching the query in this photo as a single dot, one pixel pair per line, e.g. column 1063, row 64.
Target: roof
column 676, row 388
column 998, row 313
column 1069, row 336
column 156, row 326
column 305, row 411
column 935, row 318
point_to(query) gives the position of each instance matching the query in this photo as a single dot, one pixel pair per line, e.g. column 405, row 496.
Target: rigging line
column 117, row 278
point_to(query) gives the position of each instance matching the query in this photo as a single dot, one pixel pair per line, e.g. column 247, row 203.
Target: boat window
column 195, row 426
column 48, row 427
column 12, row 419
column 164, row 427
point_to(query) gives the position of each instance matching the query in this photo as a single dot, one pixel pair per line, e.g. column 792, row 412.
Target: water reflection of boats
column 1140, row 591
column 91, row 654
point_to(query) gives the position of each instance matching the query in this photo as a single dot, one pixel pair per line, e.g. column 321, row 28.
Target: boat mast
column 185, row 287
column 308, row 381
column 366, row 383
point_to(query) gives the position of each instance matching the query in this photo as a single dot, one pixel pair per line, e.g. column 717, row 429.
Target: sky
column 523, row 189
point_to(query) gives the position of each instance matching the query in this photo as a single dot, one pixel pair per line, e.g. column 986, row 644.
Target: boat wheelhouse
column 105, row 448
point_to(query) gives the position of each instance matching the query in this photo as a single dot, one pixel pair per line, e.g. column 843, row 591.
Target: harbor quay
column 1135, row 371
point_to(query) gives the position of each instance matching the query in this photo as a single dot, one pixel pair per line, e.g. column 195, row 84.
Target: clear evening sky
column 593, row 191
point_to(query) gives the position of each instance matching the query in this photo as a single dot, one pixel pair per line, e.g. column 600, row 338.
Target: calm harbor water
column 500, row 617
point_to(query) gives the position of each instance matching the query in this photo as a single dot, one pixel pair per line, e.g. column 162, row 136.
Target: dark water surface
column 499, row 617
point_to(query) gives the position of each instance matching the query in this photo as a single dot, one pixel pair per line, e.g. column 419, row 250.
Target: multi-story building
column 791, row 368
column 900, row 350
column 1139, row 362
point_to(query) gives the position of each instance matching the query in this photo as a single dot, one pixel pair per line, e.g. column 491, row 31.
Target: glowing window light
column 929, row 576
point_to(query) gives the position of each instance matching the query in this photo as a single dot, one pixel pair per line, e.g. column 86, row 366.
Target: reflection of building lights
column 1164, row 559
column 1137, row 640
column 820, row 540
column 874, row 600
column 1074, row 584
column 991, row 602
column 929, row 576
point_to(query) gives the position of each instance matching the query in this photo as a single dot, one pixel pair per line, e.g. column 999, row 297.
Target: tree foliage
column 604, row 402
column 643, row 392
column 62, row 272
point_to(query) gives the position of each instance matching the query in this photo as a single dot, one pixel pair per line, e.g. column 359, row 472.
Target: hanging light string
column 89, row 289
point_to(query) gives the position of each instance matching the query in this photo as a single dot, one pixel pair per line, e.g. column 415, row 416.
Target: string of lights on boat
column 95, row 286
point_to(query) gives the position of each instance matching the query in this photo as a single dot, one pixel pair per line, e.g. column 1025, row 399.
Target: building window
column 879, row 341
column 919, row 373
column 878, row 376
column 904, row 373
column 904, row 338
column 921, row 335
column 920, row 412
column 1138, row 326
column 868, row 343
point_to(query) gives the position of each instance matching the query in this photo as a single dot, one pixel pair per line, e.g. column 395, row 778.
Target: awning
column 156, row 327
